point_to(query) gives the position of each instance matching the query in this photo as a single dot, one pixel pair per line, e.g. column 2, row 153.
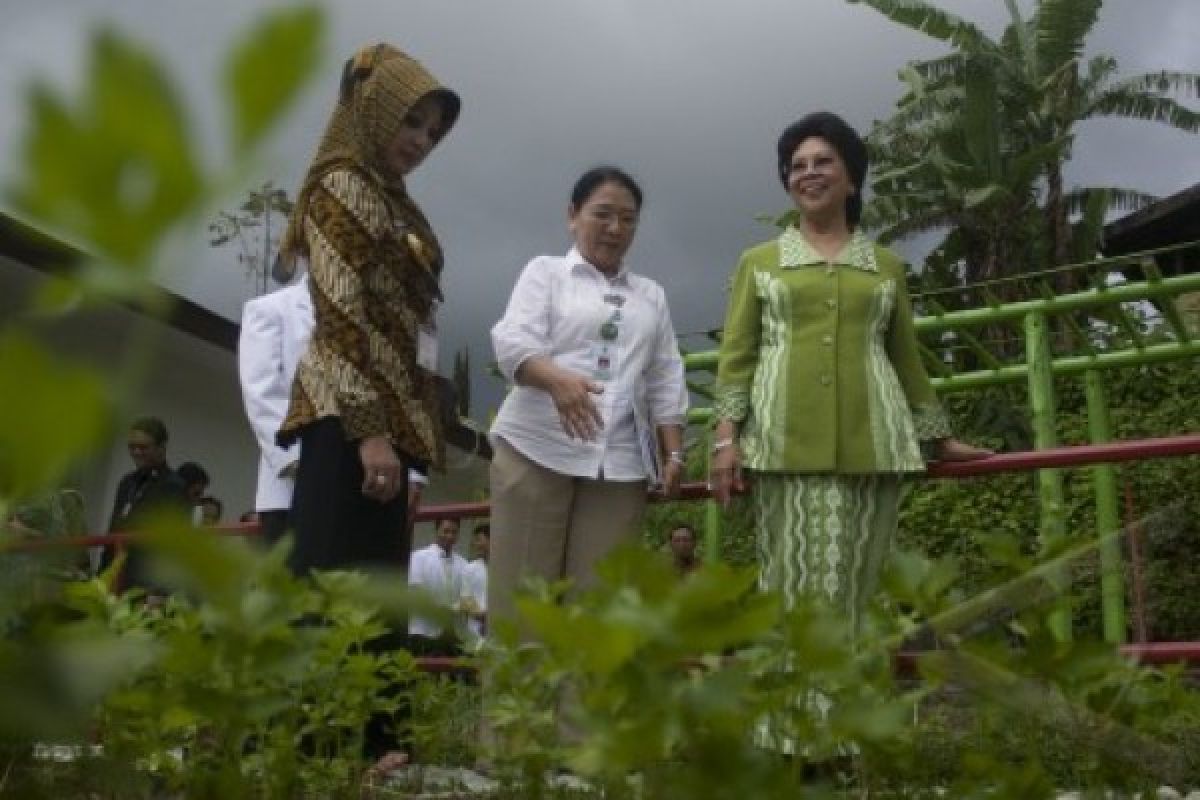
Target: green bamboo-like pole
column 1066, row 365
column 1071, row 365
column 1050, row 484
column 1104, row 479
column 1091, row 298
column 712, row 512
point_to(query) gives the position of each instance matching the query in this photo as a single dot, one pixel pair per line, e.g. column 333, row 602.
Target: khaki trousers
column 552, row 526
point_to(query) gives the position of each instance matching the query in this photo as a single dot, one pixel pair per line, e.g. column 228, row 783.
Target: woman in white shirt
column 597, row 411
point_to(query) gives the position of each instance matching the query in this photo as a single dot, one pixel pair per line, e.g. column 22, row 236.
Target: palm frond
column 939, row 69
column 1062, row 26
column 1186, row 84
column 1140, row 105
column 1096, row 74
column 1115, row 199
column 1019, row 37
column 934, row 22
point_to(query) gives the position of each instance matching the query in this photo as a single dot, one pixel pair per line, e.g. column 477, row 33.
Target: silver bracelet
column 676, row 456
column 721, row 444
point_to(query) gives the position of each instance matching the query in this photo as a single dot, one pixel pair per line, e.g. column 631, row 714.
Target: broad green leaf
column 55, row 414
column 114, row 168
column 595, row 646
column 267, row 68
column 98, row 282
column 94, row 662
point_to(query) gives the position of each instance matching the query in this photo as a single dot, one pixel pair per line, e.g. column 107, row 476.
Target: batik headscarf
column 380, row 85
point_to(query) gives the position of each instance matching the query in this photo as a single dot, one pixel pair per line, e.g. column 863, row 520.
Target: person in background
column 195, row 481
column 441, row 573
column 150, row 490
column 596, row 414
column 211, row 509
column 275, row 331
column 683, row 548
column 475, row 593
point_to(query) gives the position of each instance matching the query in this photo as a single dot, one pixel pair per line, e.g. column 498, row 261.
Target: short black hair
column 192, row 473
column 152, row 427
column 843, row 138
column 596, row 177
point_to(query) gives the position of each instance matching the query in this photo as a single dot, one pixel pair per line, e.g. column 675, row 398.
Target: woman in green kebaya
column 821, row 393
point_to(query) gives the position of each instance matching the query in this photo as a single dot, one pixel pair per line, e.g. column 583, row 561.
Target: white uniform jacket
column 443, row 577
column 276, row 328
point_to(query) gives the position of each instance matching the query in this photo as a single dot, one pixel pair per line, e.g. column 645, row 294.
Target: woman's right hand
column 383, row 471
column 725, row 473
column 572, row 395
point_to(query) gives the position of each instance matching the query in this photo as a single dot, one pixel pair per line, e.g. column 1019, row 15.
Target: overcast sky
column 688, row 95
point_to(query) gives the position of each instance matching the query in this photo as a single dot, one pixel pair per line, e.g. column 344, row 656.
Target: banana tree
column 1042, row 88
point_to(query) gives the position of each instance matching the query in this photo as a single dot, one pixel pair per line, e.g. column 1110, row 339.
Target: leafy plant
column 977, row 144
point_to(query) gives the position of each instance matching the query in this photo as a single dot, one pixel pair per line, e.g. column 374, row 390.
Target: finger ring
column 381, row 479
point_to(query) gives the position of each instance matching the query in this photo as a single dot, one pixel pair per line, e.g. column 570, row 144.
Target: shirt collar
column 576, row 261
column 795, row 251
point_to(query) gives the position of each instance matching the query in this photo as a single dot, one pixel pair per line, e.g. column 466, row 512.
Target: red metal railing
column 1069, row 456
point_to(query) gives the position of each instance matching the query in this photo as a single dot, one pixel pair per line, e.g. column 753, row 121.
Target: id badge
column 604, row 361
column 427, row 348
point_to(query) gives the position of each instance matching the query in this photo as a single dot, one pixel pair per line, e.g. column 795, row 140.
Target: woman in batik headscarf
column 821, row 392
column 363, row 404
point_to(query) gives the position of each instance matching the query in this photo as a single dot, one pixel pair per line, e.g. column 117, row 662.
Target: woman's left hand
column 671, row 478
column 954, row 450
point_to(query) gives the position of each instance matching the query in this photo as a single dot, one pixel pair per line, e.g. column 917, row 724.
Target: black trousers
column 273, row 525
column 336, row 527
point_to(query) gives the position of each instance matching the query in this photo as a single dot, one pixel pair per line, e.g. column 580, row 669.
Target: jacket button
column 826, row 379
column 831, row 303
column 827, row 339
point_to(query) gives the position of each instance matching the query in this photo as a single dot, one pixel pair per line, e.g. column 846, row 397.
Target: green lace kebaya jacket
column 819, row 362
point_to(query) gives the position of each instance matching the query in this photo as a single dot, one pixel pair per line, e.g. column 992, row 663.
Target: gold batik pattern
column 370, row 291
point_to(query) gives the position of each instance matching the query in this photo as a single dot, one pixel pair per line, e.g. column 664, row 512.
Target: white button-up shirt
column 557, row 310
column 443, row 576
column 475, row 580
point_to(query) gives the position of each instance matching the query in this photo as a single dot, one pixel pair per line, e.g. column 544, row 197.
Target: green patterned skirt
column 825, row 536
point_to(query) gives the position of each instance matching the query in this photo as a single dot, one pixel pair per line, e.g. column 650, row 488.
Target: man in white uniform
column 440, row 572
column 475, row 597
column 275, row 331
